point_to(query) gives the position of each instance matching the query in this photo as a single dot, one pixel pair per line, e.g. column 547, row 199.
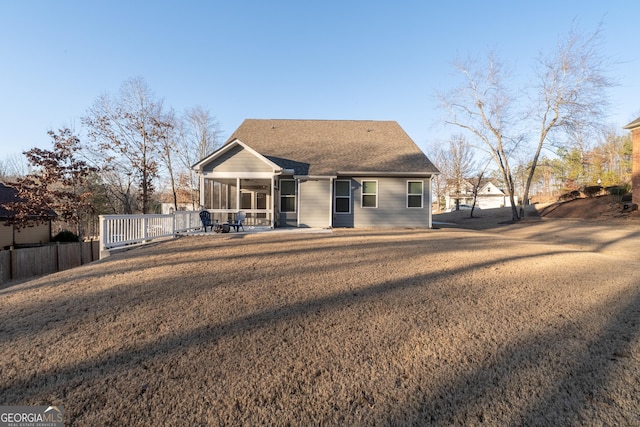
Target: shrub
column 571, row 195
column 617, row 192
column 65, row 236
column 592, row 190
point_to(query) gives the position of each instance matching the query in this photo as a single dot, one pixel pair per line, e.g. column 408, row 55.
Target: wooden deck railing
column 117, row 231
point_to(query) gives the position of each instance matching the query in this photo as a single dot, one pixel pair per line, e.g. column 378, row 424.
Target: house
column 36, row 233
column 634, row 127
column 169, row 208
column 490, row 196
column 319, row 173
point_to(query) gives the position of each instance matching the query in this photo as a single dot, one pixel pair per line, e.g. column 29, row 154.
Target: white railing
column 117, row 231
column 187, row 221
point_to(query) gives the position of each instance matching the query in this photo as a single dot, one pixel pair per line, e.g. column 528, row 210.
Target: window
column 287, row 195
column 414, row 194
column 369, row 194
column 220, row 193
column 342, row 195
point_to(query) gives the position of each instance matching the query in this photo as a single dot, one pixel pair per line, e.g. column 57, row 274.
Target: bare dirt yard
column 473, row 323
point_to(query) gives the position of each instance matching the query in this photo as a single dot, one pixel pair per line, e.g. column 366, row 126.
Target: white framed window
column 369, row 194
column 414, row 194
column 342, row 196
column 287, row 195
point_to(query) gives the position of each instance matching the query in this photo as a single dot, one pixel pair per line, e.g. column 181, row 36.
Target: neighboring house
column 169, row 208
column 319, row 173
column 634, row 127
column 10, row 235
column 490, row 196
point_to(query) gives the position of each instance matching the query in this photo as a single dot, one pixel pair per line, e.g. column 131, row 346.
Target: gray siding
column 238, row 160
column 392, row 208
column 315, row 203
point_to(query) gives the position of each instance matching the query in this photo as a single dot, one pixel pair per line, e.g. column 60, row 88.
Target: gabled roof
column 10, row 195
column 7, row 195
column 227, row 147
column 331, row 147
column 633, row 124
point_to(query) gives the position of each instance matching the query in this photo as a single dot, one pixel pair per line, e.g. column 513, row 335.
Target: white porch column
column 273, row 202
column 202, row 190
column 237, row 208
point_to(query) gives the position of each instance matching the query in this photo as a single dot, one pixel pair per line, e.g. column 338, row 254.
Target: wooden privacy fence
column 30, row 262
column 118, row 231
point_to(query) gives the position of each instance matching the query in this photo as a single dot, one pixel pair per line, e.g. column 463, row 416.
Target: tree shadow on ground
column 448, row 403
column 588, row 382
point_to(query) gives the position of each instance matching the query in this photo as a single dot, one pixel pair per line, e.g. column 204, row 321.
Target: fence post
column 173, row 224
column 145, row 226
column 13, row 263
column 57, row 256
column 102, row 251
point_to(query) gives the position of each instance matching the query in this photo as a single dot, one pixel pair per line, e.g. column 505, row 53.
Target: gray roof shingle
column 9, row 195
column 326, row 147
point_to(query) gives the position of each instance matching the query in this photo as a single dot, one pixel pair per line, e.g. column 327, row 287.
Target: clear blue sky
column 378, row 60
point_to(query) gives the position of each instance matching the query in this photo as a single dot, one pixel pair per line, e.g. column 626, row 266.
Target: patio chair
column 240, row 217
column 205, row 217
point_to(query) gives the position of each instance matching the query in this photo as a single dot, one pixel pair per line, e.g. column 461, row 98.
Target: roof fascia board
column 634, row 124
column 241, row 175
column 314, row 177
column 374, row 173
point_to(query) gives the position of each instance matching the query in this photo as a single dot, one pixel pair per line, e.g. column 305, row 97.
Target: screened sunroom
column 224, row 197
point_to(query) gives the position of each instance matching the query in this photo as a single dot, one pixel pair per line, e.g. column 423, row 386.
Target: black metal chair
column 205, row 217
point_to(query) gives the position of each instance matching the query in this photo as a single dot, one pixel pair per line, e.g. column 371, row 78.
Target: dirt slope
column 598, row 208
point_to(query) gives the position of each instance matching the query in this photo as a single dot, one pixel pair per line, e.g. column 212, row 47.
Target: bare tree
column 483, row 106
column 456, row 163
column 166, row 136
column 198, row 136
column 125, row 133
column 571, row 93
column 476, row 185
column 13, row 167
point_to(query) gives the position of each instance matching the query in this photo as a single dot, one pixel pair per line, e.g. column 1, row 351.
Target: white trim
column 381, row 174
column 201, row 190
column 297, row 199
column 415, row 194
column 362, row 194
column 333, row 187
column 314, row 177
column 331, row 201
column 430, row 203
column 273, row 203
column 240, row 175
column 295, row 196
